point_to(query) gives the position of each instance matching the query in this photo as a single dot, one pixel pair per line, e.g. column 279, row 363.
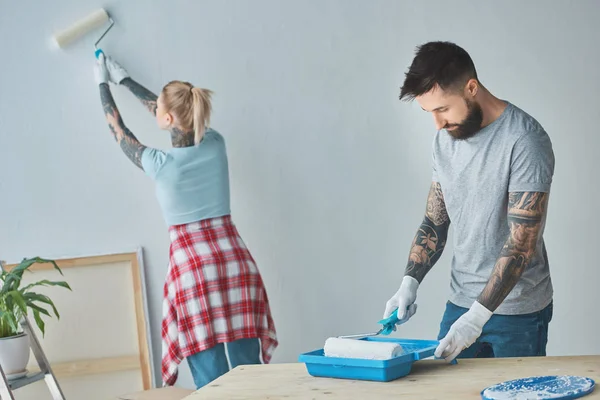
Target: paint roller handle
column 389, row 323
column 98, row 52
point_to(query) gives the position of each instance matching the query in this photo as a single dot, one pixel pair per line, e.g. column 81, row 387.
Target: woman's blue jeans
column 210, row 364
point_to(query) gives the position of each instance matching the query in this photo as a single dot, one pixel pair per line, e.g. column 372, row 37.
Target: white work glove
column 403, row 300
column 117, row 72
column 101, row 73
column 464, row 332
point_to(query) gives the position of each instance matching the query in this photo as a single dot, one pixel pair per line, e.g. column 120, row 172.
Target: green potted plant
column 15, row 303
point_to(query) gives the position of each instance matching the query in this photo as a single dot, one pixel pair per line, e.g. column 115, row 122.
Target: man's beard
column 470, row 125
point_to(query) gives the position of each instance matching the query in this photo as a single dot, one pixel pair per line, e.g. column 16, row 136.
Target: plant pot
column 14, row 354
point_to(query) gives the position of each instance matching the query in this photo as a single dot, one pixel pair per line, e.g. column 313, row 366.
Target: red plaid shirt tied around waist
column 213, row 294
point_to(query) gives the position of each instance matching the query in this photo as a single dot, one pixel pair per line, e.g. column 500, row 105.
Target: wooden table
column 429, row 379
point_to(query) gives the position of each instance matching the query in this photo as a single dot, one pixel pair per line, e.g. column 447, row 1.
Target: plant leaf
column 31, row 297
column 16, row 274
column 12, row 324
column 25, row 263
column 46, row 282
column 38, row 320
column 11, row 282
column 39, row 309
column 19, row 301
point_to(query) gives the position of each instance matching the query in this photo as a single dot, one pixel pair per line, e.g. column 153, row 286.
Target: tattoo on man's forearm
column 430, row 240
column 436, row 207
column 147, row 98
column 132, row 148
column 526, row 211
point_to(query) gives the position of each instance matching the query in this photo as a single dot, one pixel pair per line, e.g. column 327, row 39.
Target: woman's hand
column 120, row 76
column 116, row 71
column 101, row 73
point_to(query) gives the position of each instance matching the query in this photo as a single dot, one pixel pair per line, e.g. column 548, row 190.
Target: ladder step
column 26, row 380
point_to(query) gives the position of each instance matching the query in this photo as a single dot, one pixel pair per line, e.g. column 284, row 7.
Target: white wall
column 329, row 171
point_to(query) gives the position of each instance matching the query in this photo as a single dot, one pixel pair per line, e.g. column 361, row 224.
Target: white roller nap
column 353, row 348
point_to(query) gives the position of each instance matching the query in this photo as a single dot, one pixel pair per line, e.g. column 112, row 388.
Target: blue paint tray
column 370, row 370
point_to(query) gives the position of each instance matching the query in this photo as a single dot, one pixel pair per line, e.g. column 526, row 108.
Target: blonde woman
column 213, row 294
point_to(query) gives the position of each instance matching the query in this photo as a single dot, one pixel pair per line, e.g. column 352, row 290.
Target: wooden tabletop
column 429, row 379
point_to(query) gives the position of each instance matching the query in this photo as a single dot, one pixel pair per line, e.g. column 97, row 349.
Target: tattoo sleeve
column 526, row 211
column 144, row 95
column 430, row 240
column 132, row 148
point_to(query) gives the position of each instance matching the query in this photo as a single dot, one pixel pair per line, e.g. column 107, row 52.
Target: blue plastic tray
column 371, row 370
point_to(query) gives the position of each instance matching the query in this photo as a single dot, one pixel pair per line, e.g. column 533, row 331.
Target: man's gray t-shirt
column 512, row 154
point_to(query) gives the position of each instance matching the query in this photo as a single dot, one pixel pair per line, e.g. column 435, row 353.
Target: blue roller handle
column 98, row 52
column 389, row 324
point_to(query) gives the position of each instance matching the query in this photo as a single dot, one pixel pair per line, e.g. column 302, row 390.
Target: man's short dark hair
column 437, row 63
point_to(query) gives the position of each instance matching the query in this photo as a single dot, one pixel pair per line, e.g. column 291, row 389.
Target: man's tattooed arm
column 526, row 212
column 128, row 142
column 147, row 98
column 430, row 240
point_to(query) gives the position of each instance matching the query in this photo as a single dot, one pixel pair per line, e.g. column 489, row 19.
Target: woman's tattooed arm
column 132, row 148
column 144, row 95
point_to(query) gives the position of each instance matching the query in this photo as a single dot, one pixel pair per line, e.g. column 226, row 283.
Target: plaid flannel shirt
column 213, row 293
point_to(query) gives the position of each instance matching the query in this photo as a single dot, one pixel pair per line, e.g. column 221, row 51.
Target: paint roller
column 364, row 349
column 350, row 346
column 85, row 25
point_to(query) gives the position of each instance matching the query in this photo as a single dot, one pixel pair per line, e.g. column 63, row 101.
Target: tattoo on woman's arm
column 430, row 240
column 147, row 98
column 132, row 148
column 526, row 211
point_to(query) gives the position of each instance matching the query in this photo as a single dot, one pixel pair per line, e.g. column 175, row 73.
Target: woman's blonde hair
column 191, row 106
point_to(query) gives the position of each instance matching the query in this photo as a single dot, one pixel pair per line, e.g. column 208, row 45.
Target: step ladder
column 7, row 387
